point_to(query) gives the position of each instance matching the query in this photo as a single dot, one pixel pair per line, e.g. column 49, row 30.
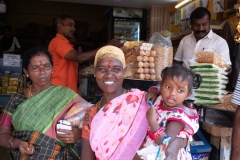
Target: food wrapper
column 208, row 96
column 213, row 76
column 164, row 53
column 211, row 57
column 130, row 45
column 214, row 81
column 76, row 113
column 165, row 33
column 203, row 65
column 211, row 91
column 201, row 102
column 213, row 85
column 210, row 70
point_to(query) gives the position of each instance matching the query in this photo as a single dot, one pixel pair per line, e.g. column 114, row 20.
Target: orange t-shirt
column 65, row 72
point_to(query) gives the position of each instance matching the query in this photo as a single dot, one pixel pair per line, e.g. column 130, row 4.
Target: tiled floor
column 4, row 153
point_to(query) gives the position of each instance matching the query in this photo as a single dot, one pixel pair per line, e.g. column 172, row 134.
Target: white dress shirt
column 15, row 44
column 188, row 47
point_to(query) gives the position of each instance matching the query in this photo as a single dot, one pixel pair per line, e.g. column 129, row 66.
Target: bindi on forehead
column 108, row 65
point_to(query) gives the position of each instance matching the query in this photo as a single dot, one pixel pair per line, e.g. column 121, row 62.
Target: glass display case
column 126, row 29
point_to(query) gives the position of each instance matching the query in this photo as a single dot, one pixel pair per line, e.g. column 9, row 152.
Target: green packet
column 212, row 91
column 208, row 96
column 203, row 65
column 213, row 76
column 214, row 81
column 210, row 71
column 200, row 102
column 213, row 85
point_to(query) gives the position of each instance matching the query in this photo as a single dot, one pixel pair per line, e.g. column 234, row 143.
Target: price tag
column 12, row 60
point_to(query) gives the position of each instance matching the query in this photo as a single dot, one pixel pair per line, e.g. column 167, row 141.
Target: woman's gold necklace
column 29, row 91
column 98, row 104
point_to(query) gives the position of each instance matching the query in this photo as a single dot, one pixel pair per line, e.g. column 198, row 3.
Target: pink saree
column 119, row 128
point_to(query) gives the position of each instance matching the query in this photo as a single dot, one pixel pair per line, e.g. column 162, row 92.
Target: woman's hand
column 152, row 118
column 25, row 148
column 151, row 95
column 174, row 147
column 70, row 136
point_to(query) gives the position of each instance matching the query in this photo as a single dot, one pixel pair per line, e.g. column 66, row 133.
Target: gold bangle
column 10, row 143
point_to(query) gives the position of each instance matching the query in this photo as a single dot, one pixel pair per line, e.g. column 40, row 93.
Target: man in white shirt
column 202, row 38
column 10, row 43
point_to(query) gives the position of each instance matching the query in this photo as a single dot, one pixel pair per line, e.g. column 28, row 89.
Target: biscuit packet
column 211, row 57
column 77, row 112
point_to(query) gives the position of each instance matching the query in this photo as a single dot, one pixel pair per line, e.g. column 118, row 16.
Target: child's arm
column 157, row 132
column 173, row 128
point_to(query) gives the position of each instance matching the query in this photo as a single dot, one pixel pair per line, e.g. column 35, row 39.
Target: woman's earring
column 94, row 75
column 27, row 75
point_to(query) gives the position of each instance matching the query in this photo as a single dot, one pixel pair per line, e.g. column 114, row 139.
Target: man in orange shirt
column 65, row 57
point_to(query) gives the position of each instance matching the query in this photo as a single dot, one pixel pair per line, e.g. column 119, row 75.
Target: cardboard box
column 217, row 130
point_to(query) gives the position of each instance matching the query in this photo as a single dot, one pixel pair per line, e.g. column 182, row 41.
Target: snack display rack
column 11, row 72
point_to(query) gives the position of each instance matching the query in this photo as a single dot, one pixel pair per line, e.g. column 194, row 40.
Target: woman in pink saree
column 120, row 125
column 116, row 126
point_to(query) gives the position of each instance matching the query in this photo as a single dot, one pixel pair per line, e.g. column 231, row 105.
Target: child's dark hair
column 184, row 73
column 32, row 52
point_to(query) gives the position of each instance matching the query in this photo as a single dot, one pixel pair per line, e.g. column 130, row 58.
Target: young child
column 175, row 87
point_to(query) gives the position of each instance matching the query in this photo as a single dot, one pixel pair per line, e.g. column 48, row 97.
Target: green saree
column 35, row 121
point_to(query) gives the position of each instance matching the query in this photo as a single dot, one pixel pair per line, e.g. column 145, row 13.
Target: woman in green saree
column 28, row 122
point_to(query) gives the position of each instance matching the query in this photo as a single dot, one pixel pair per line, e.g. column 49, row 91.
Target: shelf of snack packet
column 214, row 101
column 11, row 81
column 9, row 84
column 212, row 91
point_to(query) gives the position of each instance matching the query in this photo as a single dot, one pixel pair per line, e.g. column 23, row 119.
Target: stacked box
column 13, row 82
column 9, row 85
column 5, row 80
column 213, row 86
column 12, row 89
